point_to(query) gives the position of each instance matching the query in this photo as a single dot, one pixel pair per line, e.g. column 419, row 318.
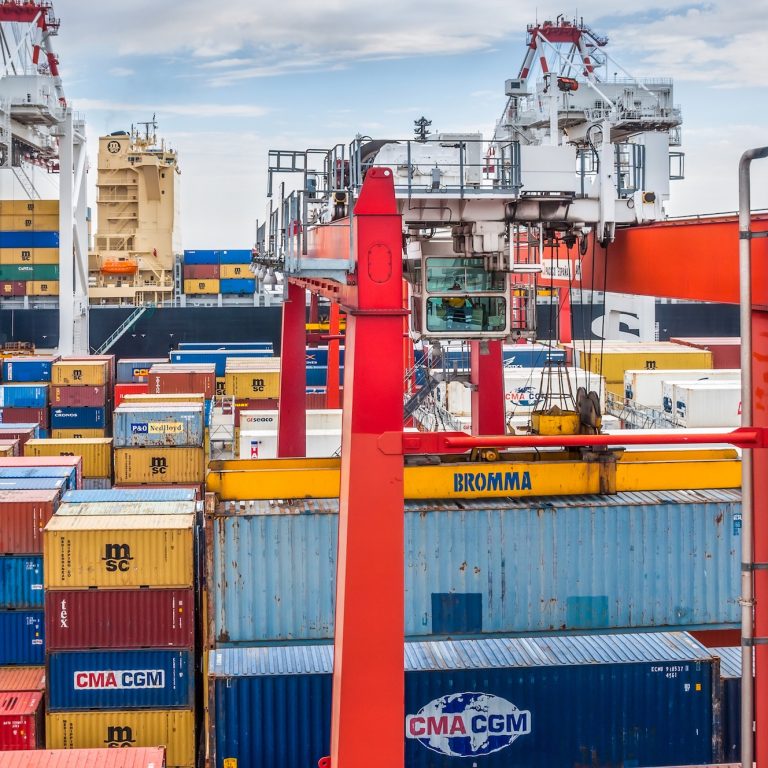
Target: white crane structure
column 38, row 129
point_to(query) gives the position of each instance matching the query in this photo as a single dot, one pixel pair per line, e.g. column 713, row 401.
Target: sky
column 228, row 82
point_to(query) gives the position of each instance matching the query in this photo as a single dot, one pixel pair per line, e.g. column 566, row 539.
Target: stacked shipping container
column 96, row 453
column 80, row 397
column 213, row 272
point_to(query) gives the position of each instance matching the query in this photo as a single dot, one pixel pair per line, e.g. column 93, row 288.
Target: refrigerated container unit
column 647, row 387
column 707, row 405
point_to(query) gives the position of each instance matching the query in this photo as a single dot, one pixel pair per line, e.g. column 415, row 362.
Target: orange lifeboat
column 120, row 267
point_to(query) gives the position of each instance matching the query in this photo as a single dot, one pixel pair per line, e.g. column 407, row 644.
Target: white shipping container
column 646, row 387
column 668, row 391
column 707, row 405
column 317, row 418
column 262, row 444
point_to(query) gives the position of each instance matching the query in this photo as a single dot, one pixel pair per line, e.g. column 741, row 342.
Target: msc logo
column 159, row 465
column 257, row 385
column 26, row 255
column 119, row 736
column 117, row 557
column 77, row 374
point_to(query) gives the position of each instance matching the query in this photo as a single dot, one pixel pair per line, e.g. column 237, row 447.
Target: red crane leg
column 487, row 377
column 760, row 530
column 332, row 394
column 367, row 722
column 564, row 320
column 314, row 308
column 292, row 409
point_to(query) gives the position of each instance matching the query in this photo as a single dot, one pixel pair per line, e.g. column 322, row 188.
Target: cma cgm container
column 28, row 368
column 23, row 395
column 648, row 699
column 120, row 618
column 144, row 426
column 489, row 567
column 156, row 679
column 174, row 728
column 22, row 632
column 135, row 370
column 78, row 418
column 21, row 581
column 120, row 551
column 137, row 466
column 21, row 720
column 119, row 495
column 22, row 679
column 141, row 757
column 24, row 514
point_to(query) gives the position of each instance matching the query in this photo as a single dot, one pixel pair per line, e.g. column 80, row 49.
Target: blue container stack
column 24, row 396
column 232, row 265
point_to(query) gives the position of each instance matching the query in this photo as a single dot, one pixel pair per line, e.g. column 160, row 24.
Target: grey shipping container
column 730, row 692
column 597, row 700
column 634, row 560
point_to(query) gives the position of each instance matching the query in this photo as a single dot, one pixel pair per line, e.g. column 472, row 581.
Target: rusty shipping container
column 22, row 678
column 119, row 551
column 78, row 397
column 24, row 416
column 167, row 379
column 119, row 618
column 21, row 720
column 23, row 516
column 139, row 757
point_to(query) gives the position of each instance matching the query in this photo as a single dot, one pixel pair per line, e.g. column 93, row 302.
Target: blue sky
column 229, row 83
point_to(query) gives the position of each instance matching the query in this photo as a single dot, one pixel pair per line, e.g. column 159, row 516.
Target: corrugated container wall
column 78, row 418
column 21, row 720
column 491, row 567
column 178, row 379
column 159, row 465
column 23, row 634
column 28, row 368
column 136, row 370
column 24, row 516
column 23, row 396
column 144, row 426
column 119, row 495
column 66, row 373
column 22, row 679
column 140, row 757
column 79, row 397
column 21, row 581
column 96, row 452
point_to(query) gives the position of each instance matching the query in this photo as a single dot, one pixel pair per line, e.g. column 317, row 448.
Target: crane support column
column 368, row 674
column 333, row 380
column 564, row 319
column 292, row 409
column 487, row 377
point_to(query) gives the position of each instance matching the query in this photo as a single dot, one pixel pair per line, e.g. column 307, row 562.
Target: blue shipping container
column 32, row 484
column 237, row 285
column 67, row 474
column 21, row 581
column 223, row 346
column 77, row 418
column 23, row 396
column 153, row 679
column 318, row 356
column 28, row 368
column 129, row 494
column 730, row 682
column 498, row 566
column 142, row 426
column 317, row 375
column 23, row 637
column 135, row 371
column 600, row 700
column 235, row 256
column 201, row 257
column 216, row 356
column 27, row 239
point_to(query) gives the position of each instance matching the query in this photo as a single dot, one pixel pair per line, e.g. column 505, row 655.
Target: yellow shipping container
column 42, row 287
column 137, row 466
column 234, row 271
column 221, row 385
column 16, row 256
column 32, row 222
column 96, row 452
column 7, row 450
column 23, row 207
column 90, row 373
column 45, row 256
column 192, row 397
column 201, row 286
column 118, row 551
column 174, row 728
column 253, row 385
column 655, row 357
column 74, row 434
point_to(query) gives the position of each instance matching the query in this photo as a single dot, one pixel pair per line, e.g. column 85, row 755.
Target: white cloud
column 121, row 71
column 191, row 109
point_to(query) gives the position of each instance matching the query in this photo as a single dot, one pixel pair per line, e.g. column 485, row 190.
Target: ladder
column 26, row 182
column 124, row 327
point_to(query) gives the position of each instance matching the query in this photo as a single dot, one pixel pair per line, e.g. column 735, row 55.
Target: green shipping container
column 29, row 272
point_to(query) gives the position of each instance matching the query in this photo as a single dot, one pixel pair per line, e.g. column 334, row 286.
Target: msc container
column 236, row 272
column 168, row 379
column 173, row 728
column 78, row 418
column 235, row 256
column 119, row 618
column 110, row 360
column 201, row 272
column 136, row 370
column 29, row 255
column 726, row 350
column 141, row 757
column 23, row 515
column 23, row 395
column 240, row 286
column 489, row 567
column 76, row 434
column 201, row 286
column 23, row 637
column 119, row 551
column 25, row 416
column 24, row 239
column 35, row 222
column 163, row 466
column 25, row 207
column 536, row 703
column 22, row 679
column 118, row 495
column 79, row 397
column 217, row 357
column 21, row 581
column 142, row 679
column 13, row 288
column 144, row 426
column 124, row 390
column 28, row 368
column 96, row 452
column 21, row 720
column 42, row 287
column 255, row 379
column 708, row 405
column 67, row 474
column 201, row 257
column 647, row 387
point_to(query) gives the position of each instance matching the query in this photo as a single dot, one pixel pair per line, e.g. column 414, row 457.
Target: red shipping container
column 79, row 397
column 121, row 390
column 25, row 416
column 726, row 350
column 119, row 618
column 182, row 379
column 198, row 489
column 135, row 757
column 201, row 271
column 22, row 679
column 46, row 461
column 23, row 515
column 10, row 432
column 13, row 443
column 13, row 288
column 21, row 720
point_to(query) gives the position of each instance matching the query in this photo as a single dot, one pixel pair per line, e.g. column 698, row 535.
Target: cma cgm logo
column 119, row 736
column 491, row 481
column 117, row 557
column 105, row 680
column 468, row 724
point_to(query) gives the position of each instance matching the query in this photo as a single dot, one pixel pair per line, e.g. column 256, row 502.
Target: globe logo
column 468, row 724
